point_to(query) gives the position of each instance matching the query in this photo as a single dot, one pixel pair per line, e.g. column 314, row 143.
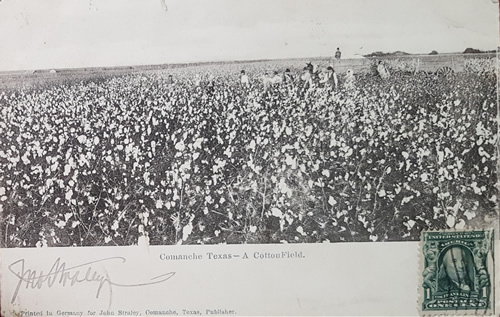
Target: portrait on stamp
column 458, row 270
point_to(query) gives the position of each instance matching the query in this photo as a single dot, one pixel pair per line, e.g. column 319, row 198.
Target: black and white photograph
column 168, row 122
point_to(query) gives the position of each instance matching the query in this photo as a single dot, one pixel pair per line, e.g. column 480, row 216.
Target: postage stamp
column 457, row 273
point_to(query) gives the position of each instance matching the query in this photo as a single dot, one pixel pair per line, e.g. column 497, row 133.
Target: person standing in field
column 307, row 79
column 170, row 80
column 382, row 71
column 267, row 81
column 330, row 79
column 350, row 80
column 338, row 54
column 276, row 80
column 245, row 82
column 197, row 80
column 287, row 77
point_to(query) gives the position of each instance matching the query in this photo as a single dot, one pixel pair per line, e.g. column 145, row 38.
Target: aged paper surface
column 339, row 279
column 234, row 157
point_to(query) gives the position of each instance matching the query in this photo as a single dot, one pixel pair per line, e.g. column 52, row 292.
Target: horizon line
column 235, row 61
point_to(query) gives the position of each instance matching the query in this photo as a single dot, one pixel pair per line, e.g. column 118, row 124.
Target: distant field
column 411, row 63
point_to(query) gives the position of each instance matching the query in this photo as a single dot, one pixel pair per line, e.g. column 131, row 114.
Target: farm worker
column 267, row 81
column 311, row 67
column 307, row 78
column 245, row 82
column 170, row 79
column 276, row 80
column 197, row 80
column 382, row 71
column 287, row 77
column 338, row 54
column 349, row 80
column 330, row 78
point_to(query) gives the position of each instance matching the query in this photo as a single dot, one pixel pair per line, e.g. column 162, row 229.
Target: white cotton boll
column 410, row 224
column 252, row 145
column 115, row 225
column 69, row 194
column 180, row 146
column 469, row 214
column 142, row 242
column 450, row 221
column 290, row 161
column 309, row 130
column 332, row 201
column 406, row 200
column 301, row 230
column 159, row 203
column 82, row 139
column 67, row 169
column 349, row 152
column 276, row 212
column 186, row 231
column 460, row 224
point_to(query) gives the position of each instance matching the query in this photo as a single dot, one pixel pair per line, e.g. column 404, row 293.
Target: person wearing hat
column 307, row 78
column 287, row 77
column 330, row 79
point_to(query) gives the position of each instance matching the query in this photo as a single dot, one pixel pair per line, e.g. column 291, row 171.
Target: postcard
column 249, row 158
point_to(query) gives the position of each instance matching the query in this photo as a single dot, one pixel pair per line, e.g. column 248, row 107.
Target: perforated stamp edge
column 493, row 278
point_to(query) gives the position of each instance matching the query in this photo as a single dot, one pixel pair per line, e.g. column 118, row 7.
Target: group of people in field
column 311, row 76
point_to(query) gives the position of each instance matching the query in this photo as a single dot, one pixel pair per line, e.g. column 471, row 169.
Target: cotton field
column 205, row 160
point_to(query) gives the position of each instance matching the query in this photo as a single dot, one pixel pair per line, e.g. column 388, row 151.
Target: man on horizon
column 338, row 54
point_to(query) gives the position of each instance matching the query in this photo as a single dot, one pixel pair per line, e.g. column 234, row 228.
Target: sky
column 91, row 33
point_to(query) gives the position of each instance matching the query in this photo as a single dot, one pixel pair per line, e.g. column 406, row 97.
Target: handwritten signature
column 61, row 274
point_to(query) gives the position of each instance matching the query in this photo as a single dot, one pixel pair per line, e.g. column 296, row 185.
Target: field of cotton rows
column 104, row 161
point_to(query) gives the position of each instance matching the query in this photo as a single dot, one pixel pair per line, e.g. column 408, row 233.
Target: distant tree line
column 385, row 54
column 434, row 52
column 476, row 51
